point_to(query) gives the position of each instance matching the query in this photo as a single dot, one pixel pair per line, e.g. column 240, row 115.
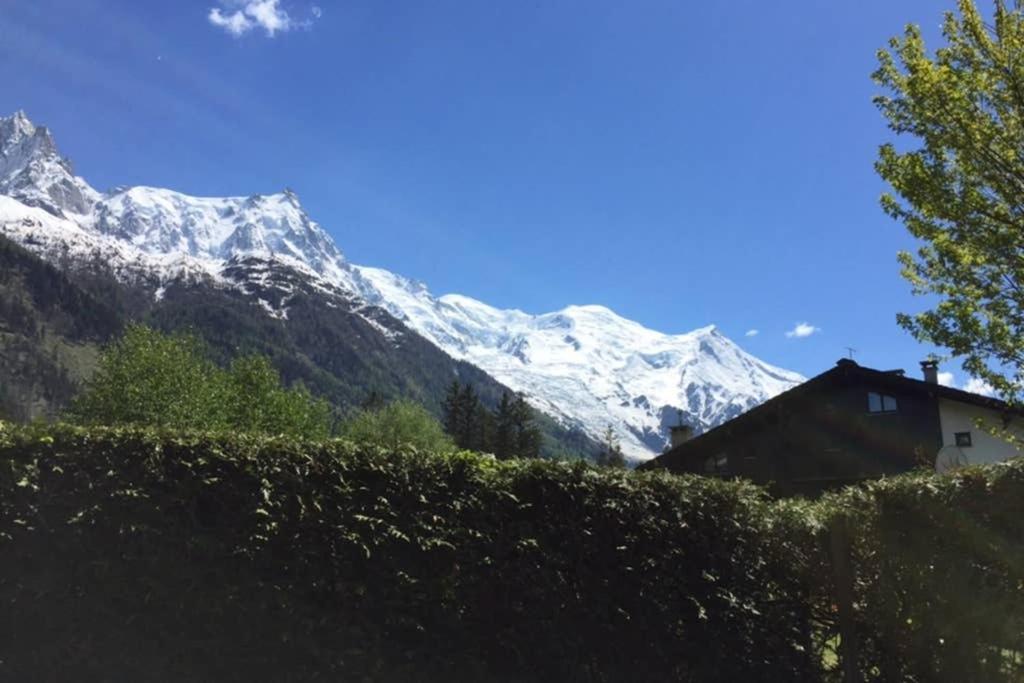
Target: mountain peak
column 21, row 141
column 589, row 367
column 585, row 365
column 15, row 127
column 32, row 171
column 595, row 313
column 706, row 331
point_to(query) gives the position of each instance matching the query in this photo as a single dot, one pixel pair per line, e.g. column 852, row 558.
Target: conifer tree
column 373, row 401
column 527, row 435
column 611, row 451
column 481, row 426
column 504, row 442
column 465, row 418
column 454, row 419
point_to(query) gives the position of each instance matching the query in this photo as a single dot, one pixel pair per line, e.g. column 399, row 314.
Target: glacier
column 589, row 367
column 586, row 366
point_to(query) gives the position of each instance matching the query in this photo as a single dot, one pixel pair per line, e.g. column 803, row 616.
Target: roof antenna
column 850, row 350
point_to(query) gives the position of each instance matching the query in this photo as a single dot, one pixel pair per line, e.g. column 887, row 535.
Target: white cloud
column 972, row 385
column 238, row 17
column 803, row 330
column 752, row 333
column 236, row 23
column 979, row 386
column 316, row 12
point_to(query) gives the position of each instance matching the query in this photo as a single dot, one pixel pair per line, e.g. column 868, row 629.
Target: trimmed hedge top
column 135, row 554
column 456, row 565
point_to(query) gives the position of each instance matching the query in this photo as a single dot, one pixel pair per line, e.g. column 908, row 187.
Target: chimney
column 930, row 368
column 680, row 434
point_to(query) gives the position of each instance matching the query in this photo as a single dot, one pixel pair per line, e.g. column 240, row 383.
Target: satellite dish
column 950, row 458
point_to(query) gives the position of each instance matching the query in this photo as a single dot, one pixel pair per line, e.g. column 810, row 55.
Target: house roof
column 844, row 369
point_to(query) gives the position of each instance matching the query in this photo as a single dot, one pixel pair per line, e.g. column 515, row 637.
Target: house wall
column 985, row 447
column 822, row 438
column 823, row 435
column 836, row 440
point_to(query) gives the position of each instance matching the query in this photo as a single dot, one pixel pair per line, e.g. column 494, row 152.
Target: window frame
column 962, row 439
column 717, row 464
column 887, row 403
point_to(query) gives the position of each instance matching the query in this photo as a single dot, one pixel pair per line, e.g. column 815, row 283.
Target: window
column 962, row 438
column 716, row 464
column 880, row 403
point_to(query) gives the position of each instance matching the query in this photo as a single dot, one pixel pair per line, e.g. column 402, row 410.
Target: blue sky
column 681, row 163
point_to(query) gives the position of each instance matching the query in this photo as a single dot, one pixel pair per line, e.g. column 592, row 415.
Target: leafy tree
column 611, row 451
column 251, row 385
column 396, row 424
column 256, row 401
column 960, row 189
column 148, row 378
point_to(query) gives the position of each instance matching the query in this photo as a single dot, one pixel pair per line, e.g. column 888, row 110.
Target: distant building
column 847, row 425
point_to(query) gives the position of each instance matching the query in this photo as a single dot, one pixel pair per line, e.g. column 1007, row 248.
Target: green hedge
column 136, row 555
column 938, row 567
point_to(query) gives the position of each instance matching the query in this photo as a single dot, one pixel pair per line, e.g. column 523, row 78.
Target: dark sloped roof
column 845, row 368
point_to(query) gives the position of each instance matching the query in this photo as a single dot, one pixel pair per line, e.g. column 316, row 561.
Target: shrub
column 140, row 554
column 135, row 554
column 396, row 425
column 938, row 563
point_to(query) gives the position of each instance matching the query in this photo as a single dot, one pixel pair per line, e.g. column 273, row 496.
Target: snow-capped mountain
column 588, row 366
column 33, row 172
column 152, row 231
column 584, row 365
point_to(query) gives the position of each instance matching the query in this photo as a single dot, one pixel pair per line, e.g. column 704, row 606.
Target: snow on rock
column 590, row 367
column 161, row 221
column 33, row 172
column 585, row 365
column 154, row 233
column 66, row 243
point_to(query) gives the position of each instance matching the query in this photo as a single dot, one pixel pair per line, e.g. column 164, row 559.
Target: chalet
column 847, row 425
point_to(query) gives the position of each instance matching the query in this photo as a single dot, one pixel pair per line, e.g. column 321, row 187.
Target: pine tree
column 527, row 435
column 507, row 432
column 465, row 418
column 481, row 426
column 454, row 419
column 472, row 435
column 504, row 443
column 373, row 401
column 611, row 451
